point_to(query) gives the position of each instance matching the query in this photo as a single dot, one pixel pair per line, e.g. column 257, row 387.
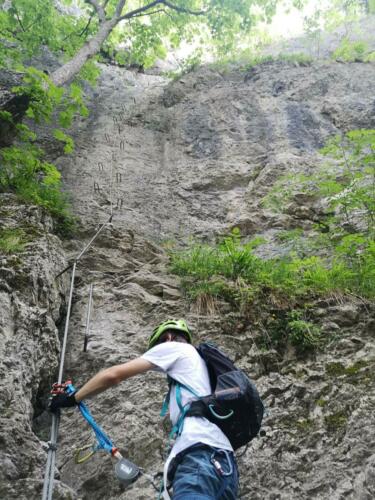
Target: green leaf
column 6, row 116
column 63, row 137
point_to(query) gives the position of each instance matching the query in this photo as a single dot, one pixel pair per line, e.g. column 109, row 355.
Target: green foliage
column 303, row 334
column 336, row 421
column 187, row 66
column 284, row 189
column 356, row 51
column 336, row 369
column 43, row 95
column 229, row 259
column 345, row 186
column 34, row 180
column 349, row 185
column 61, row 136
column 305, row 425
column 297, row 57
column 24, row 170
column 291, row 235
column 218, row 27
column 146, row 43
column 45, row 98
column 289, row 276
column 328, row 17
column 73, row 104
column 12, row 240
column 257, row 60
column 6, row 116
column 26, row 26
column 232, row 270
column 88, row 73
column 247, row 60
column 291, row 328
column 321, row 402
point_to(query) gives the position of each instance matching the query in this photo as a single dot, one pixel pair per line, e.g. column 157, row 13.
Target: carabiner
column 79, row 458
column 215, row 462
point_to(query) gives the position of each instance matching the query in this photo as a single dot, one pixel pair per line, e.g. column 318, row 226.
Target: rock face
column 31, row 304
column 195, row 158
column 209, row 146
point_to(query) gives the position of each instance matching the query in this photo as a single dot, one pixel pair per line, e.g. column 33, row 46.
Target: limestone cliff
column 192, row 158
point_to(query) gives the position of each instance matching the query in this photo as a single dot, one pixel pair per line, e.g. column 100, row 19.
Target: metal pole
column 52, row 444
column 63, row 349
column 94, row 237
column 87, row 331
column 51, row 457
column 87, row 246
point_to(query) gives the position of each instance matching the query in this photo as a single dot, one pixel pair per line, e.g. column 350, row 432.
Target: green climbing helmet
column 170, row 324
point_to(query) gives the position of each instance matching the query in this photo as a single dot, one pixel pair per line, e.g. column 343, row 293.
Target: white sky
column 287, row 25
column 291, row 24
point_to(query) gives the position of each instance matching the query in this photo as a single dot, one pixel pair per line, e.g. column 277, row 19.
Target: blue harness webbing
column 103, row 441
column 179, row 425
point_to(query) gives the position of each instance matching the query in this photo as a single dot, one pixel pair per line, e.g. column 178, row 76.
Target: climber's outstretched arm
column 112, row 376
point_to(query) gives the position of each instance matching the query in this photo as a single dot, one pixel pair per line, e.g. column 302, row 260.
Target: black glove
column 62, row 401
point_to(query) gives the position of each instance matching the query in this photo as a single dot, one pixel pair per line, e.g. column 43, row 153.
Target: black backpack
column 234, row 405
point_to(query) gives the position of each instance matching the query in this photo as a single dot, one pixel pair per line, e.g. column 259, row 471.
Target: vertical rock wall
column 192, row 158
column 31, row 304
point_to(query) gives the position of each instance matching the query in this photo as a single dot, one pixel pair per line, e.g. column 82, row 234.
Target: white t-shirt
column 183, row 363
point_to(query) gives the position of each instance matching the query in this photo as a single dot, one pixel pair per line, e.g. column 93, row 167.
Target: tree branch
column 83, row 31
column 151, row 13
column 119, row 8
column 183, row 10
column 140, row 10
column 135, row 12
column 98, row 9
column 105, row 4
column 87, row 26
column 19, row 20
column 9, row 32
column 34, row 22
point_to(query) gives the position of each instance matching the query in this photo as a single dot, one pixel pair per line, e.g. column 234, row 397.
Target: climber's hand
column 61, row 401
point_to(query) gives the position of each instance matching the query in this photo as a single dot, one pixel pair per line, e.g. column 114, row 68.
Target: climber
column 201, row 464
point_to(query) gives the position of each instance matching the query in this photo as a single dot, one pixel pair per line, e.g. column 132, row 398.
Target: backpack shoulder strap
column 178, row 427
column 167, row 398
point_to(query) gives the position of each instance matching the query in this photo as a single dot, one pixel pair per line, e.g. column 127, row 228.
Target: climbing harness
column 52, row 443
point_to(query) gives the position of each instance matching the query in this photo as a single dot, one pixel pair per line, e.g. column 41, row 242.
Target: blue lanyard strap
column 103, row 441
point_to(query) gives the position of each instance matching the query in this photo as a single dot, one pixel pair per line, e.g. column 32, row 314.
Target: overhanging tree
column 75, row 32
column 145, row 29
